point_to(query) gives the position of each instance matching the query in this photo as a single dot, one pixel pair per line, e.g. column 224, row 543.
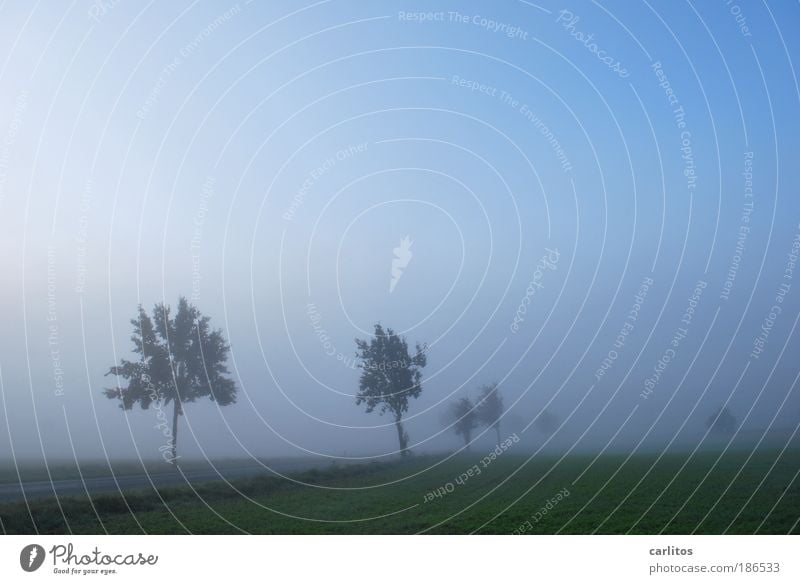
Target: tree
column 180, row 361
column 389, row 376
column 490, row 407
column 721, row 422
column 462, row 417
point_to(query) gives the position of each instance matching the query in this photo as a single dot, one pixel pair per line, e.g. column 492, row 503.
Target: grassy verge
column 609, row 495
column 67, row 469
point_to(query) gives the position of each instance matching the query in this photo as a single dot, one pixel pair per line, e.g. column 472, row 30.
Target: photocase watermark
column 206, row 193
column 679, row 115
column 324, row 168
column 569, row 21
column 739, row 17
column 325, row 340
column 527, row 113
column 163, row 420
column 152, row 97
column 473, row 471
column 82, row 237
column 421, row 16
column 161, row 416
column 475, row 86
column 402, row 257
column 677, row 338
column 53, row 336
column 551, row 503
column 498, row 450
column 489, row 24
column 760, row 342
column 478, row 20
column 20, row 105
column 209, row 30
column 744, row 227
column 94, row 562
column 186, row 51
column 31, row 557
column 626, row 330
column 549, row 261
column 100, row 8
column 349, row 361
column 524, row 110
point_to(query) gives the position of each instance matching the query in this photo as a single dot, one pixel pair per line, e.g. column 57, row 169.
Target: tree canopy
column 390, row 376
column 180, row 360
column 464, row 417
column 490, row 407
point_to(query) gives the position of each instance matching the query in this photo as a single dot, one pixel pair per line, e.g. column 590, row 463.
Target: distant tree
column 490, row 407
column 463, row 418
column 389, row 376
column 546, row 422
column 721, row 422
column 180, row 361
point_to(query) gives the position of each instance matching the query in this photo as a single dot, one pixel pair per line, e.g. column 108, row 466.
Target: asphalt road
column 38, row 489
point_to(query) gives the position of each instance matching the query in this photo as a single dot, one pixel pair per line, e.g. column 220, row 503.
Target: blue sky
column 131, row 130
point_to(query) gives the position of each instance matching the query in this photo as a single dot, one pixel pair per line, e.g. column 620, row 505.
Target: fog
column 301, row 173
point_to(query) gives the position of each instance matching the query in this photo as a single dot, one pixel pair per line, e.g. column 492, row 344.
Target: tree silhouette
column 180, row 361
column 389, row 376
column 721, row 422
column 464, row 418
column 490, row 407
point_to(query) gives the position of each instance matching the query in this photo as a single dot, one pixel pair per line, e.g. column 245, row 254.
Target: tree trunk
column 401, row 436
column 497, row 429
column 467, row 439
column 176, row 411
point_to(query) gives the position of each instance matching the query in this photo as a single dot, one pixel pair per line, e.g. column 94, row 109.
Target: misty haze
column 450, row 267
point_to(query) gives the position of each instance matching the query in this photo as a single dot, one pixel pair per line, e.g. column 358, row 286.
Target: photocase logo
column 31, row 557
column 402, row 257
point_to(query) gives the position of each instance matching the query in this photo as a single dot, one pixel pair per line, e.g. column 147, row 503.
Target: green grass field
column 507, row 496
column 30, row 470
